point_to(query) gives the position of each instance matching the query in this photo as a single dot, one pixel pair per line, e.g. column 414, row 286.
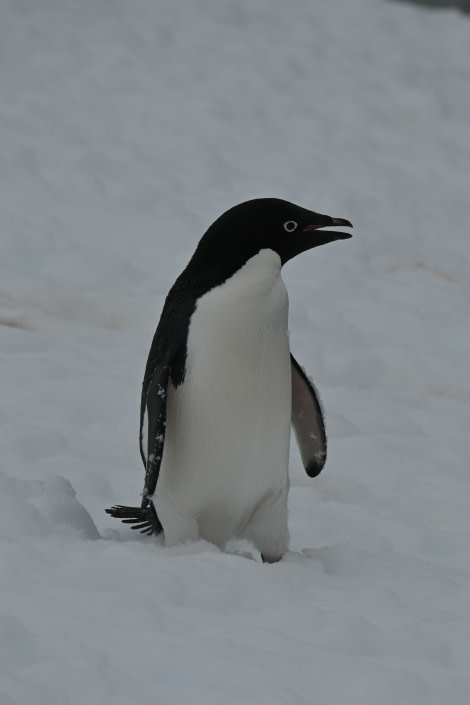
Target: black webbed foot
column 145, row 520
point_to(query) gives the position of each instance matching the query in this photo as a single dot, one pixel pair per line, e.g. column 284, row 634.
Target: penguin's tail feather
column 145, row 520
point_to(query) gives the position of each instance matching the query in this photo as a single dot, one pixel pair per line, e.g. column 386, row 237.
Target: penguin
column 222, row 389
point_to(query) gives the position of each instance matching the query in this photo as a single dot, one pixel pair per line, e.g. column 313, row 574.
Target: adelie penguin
column 222, row 388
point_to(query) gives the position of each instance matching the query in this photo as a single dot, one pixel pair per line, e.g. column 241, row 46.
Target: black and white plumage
column 221, row 387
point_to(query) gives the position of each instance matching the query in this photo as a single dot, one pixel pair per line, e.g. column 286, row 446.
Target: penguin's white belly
column 228, row 425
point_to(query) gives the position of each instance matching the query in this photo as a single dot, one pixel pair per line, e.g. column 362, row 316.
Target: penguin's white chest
column 228, row 424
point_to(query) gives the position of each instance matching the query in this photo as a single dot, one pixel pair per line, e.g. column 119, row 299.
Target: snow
column 126, row 129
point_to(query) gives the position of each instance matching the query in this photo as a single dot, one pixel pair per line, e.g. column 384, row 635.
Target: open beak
column 328, row 223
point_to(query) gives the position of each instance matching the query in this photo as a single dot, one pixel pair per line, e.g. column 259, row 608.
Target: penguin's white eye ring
column 290, row 226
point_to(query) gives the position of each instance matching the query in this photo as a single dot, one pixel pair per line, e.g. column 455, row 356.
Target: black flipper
column 307, row 421
column 166, row 365
column 154, row 409
column 153, row 416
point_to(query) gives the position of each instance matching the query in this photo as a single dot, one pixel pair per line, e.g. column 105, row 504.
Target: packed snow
column 126, row 129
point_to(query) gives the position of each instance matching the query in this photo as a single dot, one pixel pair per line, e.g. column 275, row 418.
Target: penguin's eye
column 290, row 226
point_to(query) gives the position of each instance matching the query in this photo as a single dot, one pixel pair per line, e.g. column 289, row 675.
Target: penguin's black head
column 268, row 223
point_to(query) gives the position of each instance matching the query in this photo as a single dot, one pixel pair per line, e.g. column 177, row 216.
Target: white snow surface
column 126, row 129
